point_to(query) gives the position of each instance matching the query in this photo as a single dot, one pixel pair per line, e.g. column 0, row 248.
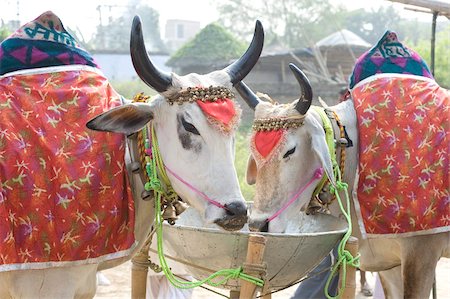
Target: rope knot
column 153, row 184
column 255, row 269
column 339, row 186
column 318, row 173
column 350, row 259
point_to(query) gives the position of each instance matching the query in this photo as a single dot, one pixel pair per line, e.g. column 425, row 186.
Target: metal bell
column 147, row 195
column 343, row 142
column 170, row 213
column 180, row 207
column 135, row 166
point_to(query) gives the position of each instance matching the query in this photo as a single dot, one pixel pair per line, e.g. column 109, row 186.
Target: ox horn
column 148, row 72
column 305, row 100
column 241, row 67
column 247, row 94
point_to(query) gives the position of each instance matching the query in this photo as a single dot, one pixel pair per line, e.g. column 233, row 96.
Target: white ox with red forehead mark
column 281, row 136
column 196, row 143
column 284, row 166
column 195, row 118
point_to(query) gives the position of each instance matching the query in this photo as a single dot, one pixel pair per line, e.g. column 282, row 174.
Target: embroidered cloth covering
column 404, row 145
column 64, row 192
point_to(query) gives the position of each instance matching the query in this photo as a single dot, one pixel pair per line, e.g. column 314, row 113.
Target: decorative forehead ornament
column 216, row 103
column 269, row 136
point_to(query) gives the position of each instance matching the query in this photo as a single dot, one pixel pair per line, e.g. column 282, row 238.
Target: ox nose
column 259, row 226
column 235, row 216
column 236, row 208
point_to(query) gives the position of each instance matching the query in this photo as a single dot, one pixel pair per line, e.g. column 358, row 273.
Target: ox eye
column 189, row 127
column 289, row 152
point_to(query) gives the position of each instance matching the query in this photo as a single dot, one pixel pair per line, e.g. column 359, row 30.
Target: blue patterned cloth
column 42, row 42
column 389, row 55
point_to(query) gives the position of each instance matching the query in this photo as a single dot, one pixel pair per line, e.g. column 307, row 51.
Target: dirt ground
column 120, row 286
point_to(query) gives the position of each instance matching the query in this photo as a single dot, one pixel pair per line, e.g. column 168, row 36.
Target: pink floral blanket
column 403, row 186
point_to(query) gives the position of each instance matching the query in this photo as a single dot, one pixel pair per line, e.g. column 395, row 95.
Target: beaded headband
column 269, row 136
column 216, row 103
column 271, row 124
column 204, row 94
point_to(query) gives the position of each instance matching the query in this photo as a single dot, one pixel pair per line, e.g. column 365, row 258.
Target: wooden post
column 266, row 292
column 234, row 294
column 139, row 272
column 350, row 278
column 255, row 253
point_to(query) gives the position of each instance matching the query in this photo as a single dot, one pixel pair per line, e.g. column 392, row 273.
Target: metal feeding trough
column 289, row 256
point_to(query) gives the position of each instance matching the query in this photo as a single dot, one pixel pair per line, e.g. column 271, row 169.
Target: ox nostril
column 259, row 226
column 265, row 227
column 236, row 209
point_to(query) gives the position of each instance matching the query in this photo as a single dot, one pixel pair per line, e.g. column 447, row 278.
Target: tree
column 296, row 23
column 4, row 33
column 442, row 61
column 214, row 45
column 371, row 25
column 116, row 35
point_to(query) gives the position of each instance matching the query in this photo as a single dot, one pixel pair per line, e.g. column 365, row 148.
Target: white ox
column 410, row 261
column 194, row 150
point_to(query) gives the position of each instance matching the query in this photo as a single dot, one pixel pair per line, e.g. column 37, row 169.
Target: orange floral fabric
column 64, row 191
column 404, row 126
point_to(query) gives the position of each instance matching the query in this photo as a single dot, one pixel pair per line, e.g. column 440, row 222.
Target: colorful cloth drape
column 64, row 192
column 404, row 153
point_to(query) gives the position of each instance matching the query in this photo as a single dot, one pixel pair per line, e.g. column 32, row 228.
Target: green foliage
column 371, row 25
column 4, row 33
column 442, row 58
column 242, row 153
column 209, row 46
column 128, row 89
column 296, row 23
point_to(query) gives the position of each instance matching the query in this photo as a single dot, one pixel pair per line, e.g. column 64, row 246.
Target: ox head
column 288, row 145
column 196, row 138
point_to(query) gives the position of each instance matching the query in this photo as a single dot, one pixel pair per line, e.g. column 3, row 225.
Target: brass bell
column 170, row 213
column 343, row 142
column 135, row 166
column 180, row 207
column 147, row 195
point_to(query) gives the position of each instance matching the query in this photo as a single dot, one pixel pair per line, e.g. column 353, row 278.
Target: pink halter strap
column 212, row 201
column 317, row 175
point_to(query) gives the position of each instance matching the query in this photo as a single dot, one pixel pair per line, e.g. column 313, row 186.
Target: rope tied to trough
column 156, row 172
column 345, row 258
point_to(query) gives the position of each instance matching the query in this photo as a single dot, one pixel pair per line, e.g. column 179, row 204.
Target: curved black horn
column 149, row 73
column 305, row 100
column 247, row 94
column 241, row 67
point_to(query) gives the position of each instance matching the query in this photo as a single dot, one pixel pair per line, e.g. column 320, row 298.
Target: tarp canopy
column 342, row 37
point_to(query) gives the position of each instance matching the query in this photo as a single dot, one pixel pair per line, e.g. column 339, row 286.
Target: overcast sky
column 84, row 15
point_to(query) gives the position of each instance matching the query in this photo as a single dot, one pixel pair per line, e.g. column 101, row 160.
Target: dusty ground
column 121, row 286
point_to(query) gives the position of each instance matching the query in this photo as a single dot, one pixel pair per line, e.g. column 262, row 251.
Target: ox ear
column 125, row 119
column 320, row 148
column 250, row 176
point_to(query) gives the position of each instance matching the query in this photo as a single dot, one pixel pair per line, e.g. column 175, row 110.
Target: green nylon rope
column 154, row 166
column 345, row 258
column 329, row 137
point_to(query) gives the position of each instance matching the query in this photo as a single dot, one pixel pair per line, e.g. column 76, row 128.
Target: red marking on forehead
column 267, row 141
column 222, row 110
